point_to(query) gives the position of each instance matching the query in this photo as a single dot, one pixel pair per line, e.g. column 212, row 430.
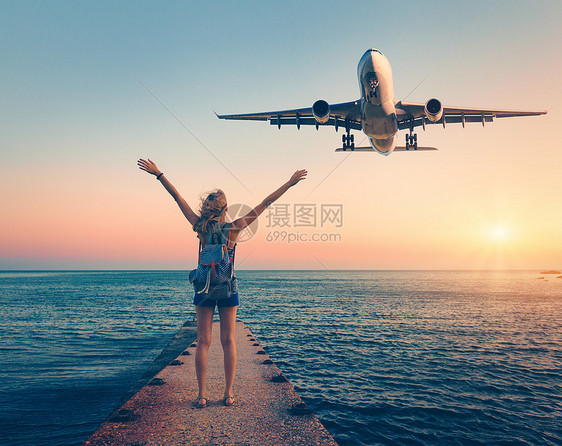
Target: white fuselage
column 378, row 115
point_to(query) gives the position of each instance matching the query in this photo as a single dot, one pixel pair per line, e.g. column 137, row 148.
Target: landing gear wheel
column 348, row 141
column 412, row 141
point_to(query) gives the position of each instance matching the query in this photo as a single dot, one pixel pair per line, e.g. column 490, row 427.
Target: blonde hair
column 211, row 209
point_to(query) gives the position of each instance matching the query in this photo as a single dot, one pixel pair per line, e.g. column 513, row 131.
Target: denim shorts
column 200, row 301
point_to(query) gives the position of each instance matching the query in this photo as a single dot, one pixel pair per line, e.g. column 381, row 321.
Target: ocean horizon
column 381, row 356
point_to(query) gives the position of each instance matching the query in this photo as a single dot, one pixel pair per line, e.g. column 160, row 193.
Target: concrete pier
column 268, row 411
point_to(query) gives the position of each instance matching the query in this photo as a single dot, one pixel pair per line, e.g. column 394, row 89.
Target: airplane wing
column 411, row 114
column 345, row 115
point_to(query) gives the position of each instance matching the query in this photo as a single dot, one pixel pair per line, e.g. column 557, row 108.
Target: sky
column 87, row 88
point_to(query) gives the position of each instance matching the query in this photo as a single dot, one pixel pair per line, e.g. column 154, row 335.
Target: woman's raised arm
column 246, row 220
column 150, row 167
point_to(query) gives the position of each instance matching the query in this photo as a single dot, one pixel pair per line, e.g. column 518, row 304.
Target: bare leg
column 204, row 330
column 228, row 326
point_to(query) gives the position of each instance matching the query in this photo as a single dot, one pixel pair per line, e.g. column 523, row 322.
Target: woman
column 212, row 217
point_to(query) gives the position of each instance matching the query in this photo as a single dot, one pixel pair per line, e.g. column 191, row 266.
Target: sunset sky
column 75, row 117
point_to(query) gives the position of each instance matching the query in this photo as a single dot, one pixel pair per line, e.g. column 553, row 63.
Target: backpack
column 214, row 276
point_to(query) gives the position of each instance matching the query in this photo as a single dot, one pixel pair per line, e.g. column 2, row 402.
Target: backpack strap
column 218, row 235
column 211, row 236
column 233, row 256
column 225, row 230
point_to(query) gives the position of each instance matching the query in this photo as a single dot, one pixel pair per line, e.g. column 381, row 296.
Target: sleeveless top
column 219, row 232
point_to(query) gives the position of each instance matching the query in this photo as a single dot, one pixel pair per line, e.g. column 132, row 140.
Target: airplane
column 377, row 113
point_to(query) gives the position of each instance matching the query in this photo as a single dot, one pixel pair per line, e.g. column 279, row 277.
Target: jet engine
column 433, row 110
column 321, row 111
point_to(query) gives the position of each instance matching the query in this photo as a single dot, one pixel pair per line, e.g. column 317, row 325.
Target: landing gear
column 412, row 141
column 348, row 141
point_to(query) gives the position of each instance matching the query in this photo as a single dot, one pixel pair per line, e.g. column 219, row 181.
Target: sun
column 500, row 233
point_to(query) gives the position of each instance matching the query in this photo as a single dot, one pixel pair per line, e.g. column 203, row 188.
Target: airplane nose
column 384, row 146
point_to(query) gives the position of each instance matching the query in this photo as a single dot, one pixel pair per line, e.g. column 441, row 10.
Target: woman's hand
column 148, row 166
column 297, row 176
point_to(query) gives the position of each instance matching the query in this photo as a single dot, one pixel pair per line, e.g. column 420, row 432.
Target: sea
column 381, row 357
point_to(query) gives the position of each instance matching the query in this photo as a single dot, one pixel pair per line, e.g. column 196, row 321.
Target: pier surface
column 266, row 412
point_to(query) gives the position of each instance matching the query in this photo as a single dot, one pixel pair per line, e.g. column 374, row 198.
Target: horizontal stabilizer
column 396, row 149
column 355, row 149
column 411, row 149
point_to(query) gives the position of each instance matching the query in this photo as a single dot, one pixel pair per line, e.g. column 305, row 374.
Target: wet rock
column 176, row 362
column 300, row 409
column 267, row 361
column 279, row 379
column 123, row 416
column 156, row 382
